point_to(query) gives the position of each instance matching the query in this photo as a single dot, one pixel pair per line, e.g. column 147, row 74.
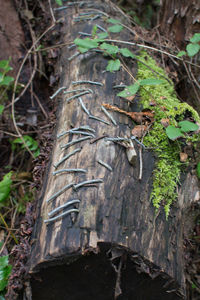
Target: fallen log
column 108, row 243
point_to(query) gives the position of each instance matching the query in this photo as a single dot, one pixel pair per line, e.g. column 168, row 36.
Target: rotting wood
column 114, row 247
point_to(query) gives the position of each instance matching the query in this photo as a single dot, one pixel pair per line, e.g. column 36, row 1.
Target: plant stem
column 6, row 225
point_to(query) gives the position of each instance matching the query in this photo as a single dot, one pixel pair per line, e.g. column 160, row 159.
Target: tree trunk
column 179, row 19
column 114, row 247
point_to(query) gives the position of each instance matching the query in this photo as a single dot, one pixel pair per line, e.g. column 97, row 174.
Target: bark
column 179, row 19
column 115, row 247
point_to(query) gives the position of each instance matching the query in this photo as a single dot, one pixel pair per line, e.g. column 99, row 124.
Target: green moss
column 167, row 106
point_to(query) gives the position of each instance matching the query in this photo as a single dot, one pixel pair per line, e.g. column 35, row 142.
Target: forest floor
column 34, row 116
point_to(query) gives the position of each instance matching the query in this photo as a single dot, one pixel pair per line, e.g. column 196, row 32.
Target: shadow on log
column 111, row 245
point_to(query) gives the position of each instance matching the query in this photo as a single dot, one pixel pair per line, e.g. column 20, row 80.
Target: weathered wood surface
column 115, row 238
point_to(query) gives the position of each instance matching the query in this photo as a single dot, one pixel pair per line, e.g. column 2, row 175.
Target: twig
column 69, row 170
column 104, row 164
column 61, row 215
column 82, row 133
column 40, row 105
column 5, row 224
column 82, row 127
column 27, row 85
column 151, row 48
column 54, row 196
column 76, row 186
column 51, row 12
column 99, row 119
column 109, row 115
column 87, row 81
column 75, row 142
column 83, row 106
column 66, row 157
column 193, row 77
column 9, row 133
column 54, row 211
column 57, row 92
column 52, row 47
column 141, row 163
column 98, row 139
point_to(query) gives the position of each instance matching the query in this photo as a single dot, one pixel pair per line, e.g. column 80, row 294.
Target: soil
column 32, row 18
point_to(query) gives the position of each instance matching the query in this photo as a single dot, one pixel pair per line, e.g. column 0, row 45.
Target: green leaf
column 82, row 50
column 127, row 53
column 36, row 153
column 187, row 126
column 195, row 38
column 30, row 143
column 150, row 81
column 113, row 65
column 198, row 170
column 5, row 186
column 102, row 35
column 59, row 2
column 109, row 48
column 115, row 28
column 4, row 275
column 192, row 49
column 1, row 77
column 113, row 21
column 4, row 64
column 94, row 30
column 173, row 133
column 129, row 90
column 1, row 109
column 3, row 262
column 6, row 80
column 86, row 43
column 181, row 53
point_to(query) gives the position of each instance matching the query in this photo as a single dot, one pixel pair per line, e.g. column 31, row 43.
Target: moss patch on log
column 167, row 106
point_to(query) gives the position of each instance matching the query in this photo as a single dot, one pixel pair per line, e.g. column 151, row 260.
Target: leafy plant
column 132, row 89
column 98, row 41
column 174, row 133
column 115, row 28
column 5, row 80
column 193, row 47
column 5, row 271
column 5, row 187
column 113, row 65
column 30, row 143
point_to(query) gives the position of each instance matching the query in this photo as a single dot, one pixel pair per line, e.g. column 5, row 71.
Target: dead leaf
column 138, row 117
column 152, row 103
column 163, row 108
column 165, row 122
column 131, row 98
column 183, row 156
column 139, row 130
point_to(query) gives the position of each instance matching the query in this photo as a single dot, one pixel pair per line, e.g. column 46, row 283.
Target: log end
column 107, row 272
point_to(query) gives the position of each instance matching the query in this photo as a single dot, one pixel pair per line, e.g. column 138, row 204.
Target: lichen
column 168, row 167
